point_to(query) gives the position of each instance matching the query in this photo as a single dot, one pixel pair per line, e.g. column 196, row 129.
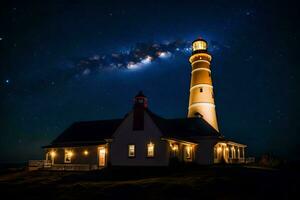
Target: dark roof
column 184, row 128
column 87, row 132
column 74, row 144
column 95, row 132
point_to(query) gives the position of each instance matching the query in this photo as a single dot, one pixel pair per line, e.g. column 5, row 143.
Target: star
column 7, row 81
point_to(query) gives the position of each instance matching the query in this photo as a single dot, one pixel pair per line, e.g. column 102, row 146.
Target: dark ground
column 193, row 182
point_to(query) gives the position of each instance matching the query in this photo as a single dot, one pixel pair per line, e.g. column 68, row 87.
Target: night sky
column 67, row 61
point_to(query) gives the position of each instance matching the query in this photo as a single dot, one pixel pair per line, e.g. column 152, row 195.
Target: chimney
column 140, row 105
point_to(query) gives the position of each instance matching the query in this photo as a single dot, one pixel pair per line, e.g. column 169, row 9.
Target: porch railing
column 250, row 160
column 47, row 165
column 236, row 160
column 73, row 167
column 35, row 164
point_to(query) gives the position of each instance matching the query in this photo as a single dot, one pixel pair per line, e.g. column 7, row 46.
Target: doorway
column 102, row 157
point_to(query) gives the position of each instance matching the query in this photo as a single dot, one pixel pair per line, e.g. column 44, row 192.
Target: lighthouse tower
column 201, row 102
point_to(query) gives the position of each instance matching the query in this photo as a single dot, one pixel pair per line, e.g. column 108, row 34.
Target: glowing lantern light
column 53, row 154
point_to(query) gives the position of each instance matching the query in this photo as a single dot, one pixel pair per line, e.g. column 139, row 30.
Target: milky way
column 141, row 54
column 136, row 57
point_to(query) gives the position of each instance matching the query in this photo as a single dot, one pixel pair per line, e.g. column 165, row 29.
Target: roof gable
column 95, row 132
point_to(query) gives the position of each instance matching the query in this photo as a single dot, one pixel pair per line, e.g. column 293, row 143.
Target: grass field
column 194, row 182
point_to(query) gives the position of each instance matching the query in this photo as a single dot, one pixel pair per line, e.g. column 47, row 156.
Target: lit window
column 201, row 89
column 150, row 150
column 188, row 152
column 131, row 150
column 68, row 156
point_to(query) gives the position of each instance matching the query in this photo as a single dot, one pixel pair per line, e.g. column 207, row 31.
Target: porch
column 182, row 150
column 229, row 152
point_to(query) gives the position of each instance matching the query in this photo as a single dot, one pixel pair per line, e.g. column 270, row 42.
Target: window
column 209, row 74
column 212, row 95
column 150, row 150
column 201, row 89
column 131, row 150
column 68, row 156
column 188, row 152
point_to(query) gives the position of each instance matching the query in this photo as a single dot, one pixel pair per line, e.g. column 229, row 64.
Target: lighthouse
column 201, row 101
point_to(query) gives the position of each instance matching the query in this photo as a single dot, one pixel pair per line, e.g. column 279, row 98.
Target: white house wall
column 125, row 135
column 205, row 151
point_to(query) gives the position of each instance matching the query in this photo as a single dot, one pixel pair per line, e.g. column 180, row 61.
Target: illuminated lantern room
column 199, row 45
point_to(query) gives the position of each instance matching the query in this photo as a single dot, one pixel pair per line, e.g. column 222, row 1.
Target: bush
column 269, row 160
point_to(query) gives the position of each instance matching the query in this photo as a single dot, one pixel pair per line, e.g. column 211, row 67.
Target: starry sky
column 65, row 61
